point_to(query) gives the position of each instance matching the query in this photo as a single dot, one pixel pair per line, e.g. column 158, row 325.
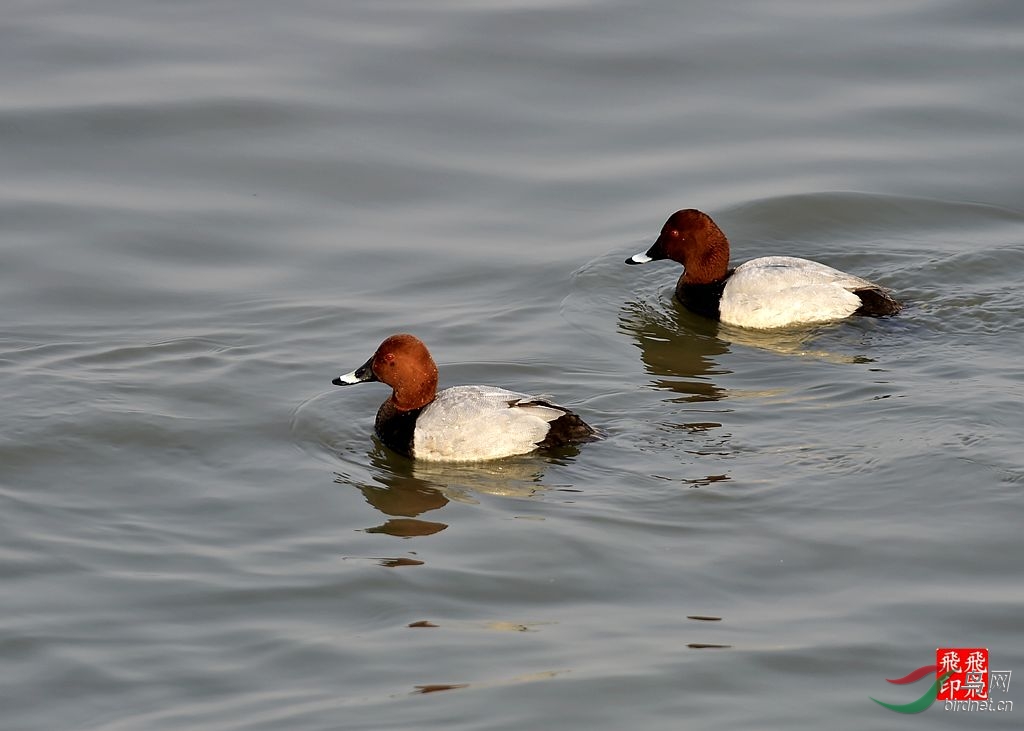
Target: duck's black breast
column 702, row 299
column 395, row 427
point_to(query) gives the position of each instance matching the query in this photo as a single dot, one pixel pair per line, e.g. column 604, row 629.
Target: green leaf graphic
column 921, row 704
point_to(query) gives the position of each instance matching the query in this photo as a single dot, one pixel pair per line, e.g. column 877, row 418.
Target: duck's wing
column 777, row 291
column 467, row 423
column 790, row 271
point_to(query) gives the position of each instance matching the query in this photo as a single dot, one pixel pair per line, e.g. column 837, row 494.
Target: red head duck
column 768, row 292
column 462, row 423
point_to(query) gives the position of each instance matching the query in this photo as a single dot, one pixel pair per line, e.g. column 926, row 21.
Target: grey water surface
column 209, row 210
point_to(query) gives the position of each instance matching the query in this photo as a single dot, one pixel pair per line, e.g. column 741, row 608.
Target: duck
column 763, row 293
column 461, row 423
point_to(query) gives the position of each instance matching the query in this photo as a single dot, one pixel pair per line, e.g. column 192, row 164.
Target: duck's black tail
column 876, row 302
column 566, row 429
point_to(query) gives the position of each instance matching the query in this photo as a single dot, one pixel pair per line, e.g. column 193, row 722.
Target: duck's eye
column 674, row 233
column 390, row 358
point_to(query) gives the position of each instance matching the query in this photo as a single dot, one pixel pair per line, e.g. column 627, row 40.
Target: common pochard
column 768, row 292
column 462, row 423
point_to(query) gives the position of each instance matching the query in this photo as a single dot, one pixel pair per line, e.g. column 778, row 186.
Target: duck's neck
column 708, row 263
column 409, row 397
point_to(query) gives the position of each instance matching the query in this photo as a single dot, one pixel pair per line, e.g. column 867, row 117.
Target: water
column 210, row 210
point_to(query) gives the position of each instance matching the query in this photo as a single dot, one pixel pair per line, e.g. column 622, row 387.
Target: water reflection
column 404, row 489
column 403, row 498
column 681, row 350
column 798, row 341
column 677, row 347
column 408, row 527
column 437, row 687
column 676, row 342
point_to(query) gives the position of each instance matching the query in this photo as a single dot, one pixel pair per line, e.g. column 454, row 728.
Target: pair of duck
column 471, row 423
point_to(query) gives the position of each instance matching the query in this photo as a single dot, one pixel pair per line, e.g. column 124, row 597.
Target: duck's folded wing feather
column 481, row 422
column 789, row 271
column 775, row 291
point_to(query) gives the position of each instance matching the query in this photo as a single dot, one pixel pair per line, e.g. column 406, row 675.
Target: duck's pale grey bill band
column 359, row 375
column 346, row 379
column 639, row 259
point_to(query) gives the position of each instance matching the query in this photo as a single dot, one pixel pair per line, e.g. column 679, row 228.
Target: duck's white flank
column 470, row 423
column 776, row 291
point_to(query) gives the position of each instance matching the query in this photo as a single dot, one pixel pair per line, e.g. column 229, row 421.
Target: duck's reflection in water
column 681, row 350
column 677, row 347
column 676, row 342
column 804, row 342
column 399, row 496
column 404, row 489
